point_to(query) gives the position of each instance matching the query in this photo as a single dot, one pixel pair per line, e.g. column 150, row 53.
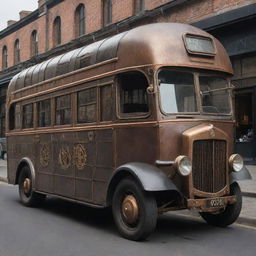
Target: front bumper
column 210, row 204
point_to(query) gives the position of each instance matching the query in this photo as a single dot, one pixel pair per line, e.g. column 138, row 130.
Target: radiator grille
column 209, row 165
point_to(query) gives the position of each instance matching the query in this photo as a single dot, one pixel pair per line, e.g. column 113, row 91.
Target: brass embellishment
column 80, row 156
column 45, row 155
column 211, row 131
column 65, row 158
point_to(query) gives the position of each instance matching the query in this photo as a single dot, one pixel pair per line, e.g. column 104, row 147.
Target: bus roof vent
column 199, row 45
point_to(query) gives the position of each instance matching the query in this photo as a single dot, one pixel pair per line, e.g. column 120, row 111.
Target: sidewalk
column 248, row 187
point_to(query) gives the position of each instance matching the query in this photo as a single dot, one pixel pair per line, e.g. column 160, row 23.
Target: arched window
column 80, row 20
column 34, row 43
column 107, row 12
column 17, row 51
column 4, row 57
column 57, row 31
column 139, row 6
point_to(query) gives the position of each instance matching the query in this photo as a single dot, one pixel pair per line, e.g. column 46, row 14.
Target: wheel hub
column 27, row 185
column 130, row 209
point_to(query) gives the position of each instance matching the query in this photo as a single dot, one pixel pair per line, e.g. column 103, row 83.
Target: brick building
column 61, row 25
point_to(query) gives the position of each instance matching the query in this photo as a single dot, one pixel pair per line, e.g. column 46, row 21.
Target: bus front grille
column 209, row 165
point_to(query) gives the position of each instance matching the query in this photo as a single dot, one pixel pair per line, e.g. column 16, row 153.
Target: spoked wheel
column 228, row 215
column 27, row 196
column 134, row 210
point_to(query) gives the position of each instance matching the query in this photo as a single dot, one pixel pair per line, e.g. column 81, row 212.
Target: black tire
column 230, row 214
column 147, row 210
column 28, row 198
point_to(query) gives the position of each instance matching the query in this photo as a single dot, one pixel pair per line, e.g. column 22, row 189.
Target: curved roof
column 159, row 43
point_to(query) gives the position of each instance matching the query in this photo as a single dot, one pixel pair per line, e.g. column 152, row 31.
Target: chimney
column 42, row 7
column 41, row 3
column 23, row 14
column 11, row 22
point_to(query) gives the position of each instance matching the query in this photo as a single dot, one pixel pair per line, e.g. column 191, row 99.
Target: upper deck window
column 63, row 110
column 133, row 93
column 199, row 45
column 87, row 106
column 27, row 116
column 177, row 92
column 44, row 113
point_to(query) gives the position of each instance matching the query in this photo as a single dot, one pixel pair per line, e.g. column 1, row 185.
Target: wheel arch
column 150, row 178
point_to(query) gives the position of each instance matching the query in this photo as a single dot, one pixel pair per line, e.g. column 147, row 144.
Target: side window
column 106, row 103
column 27, row 115
column 44, row 113
column 133, row 93
column 63, row 110
column 87, row 106
column 14, row 116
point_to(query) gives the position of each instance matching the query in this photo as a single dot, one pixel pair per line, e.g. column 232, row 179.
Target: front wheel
column 28, row 197
column 134, row 210
column 228, row 215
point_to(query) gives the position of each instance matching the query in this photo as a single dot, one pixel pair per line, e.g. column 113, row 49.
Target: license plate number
column 215, row 202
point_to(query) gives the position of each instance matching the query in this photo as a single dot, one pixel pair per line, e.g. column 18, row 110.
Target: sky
column 9, row 10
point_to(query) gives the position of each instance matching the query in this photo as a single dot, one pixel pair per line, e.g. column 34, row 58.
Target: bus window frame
column 196, row 93
column 101, row 85
column 133, row 115
column 196, row 75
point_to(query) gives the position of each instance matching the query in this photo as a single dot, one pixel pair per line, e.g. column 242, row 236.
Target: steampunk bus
column 141, row 122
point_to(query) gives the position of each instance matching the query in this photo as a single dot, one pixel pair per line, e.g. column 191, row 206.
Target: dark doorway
column 245, row 125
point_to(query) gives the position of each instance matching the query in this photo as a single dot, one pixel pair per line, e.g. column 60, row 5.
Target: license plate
column 215, row 202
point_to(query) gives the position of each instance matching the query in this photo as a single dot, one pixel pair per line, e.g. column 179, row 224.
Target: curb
column 3, row 179
column 246, row 221
column 249, row 194
column 241, row 220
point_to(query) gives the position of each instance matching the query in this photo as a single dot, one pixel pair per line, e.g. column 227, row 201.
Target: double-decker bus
column 141, row 122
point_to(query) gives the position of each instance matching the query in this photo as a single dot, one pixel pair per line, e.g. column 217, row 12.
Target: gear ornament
column 45, row 155
column 65, row 158
column 80, row 156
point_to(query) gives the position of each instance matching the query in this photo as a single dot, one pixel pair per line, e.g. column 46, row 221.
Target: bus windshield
column 178, row 93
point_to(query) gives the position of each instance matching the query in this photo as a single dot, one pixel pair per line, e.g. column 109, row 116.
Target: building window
column 44, row 113
column 87, row 106
column 139, row 6
column 17, row 51
column 57, row 31
column 34, row 43
column 4, row 57
column 63, row 110
column 107, row 12
column 80, row 20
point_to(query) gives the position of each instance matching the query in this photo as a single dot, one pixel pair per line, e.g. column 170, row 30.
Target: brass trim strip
column 79, row 128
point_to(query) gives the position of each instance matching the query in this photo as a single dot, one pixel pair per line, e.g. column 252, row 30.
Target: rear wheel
column 27, row 196
column 134, row 210
column 228, row 215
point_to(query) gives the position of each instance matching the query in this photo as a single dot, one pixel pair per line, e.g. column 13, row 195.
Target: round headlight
column 236, row 162
column 184, row 165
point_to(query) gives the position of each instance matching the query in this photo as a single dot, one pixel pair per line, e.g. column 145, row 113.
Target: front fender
column 244, row 174
column 150, row 177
